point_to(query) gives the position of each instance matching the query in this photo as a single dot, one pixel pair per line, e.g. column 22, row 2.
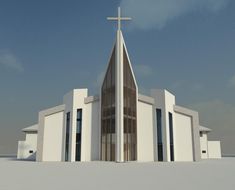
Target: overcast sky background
column 48, row 48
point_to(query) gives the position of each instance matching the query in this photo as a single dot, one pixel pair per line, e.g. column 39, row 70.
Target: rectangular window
column 203, row 151
column 78, row 135
column 67, row 136
column 171, row 137
column 159, row 134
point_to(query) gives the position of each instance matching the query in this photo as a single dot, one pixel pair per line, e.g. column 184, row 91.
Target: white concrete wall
column 165, row 101
column 214, row 149
column 53, row 138
column 183, row 143
column 169, row 103
column 204, row 146
column 75, row 100
column 145, row 143
column 68, row 102
column 92, row 131
column 24, row 147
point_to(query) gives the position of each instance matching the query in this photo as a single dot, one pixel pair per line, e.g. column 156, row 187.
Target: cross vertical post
column 119, row 18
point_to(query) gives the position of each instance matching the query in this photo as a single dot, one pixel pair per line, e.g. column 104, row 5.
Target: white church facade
column 119, row 124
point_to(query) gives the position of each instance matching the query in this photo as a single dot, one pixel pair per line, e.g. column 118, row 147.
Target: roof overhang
column 204, row 129
column 32, row 128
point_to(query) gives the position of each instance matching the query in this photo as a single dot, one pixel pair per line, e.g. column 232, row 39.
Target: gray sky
column 48, row 48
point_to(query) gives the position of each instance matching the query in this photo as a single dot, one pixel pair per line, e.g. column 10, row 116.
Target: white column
column 119, row 98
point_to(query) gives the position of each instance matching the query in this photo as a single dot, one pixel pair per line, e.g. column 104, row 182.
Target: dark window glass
column 67, row 136
column 78, row 135
column 171, row 137
column 79, row 114
column 130, row 132
column 31, row 151
column 203, row 151
column 159, row 134
column 108, row 112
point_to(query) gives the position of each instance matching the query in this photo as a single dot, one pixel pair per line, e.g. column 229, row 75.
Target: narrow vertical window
column 67, row 136
column 78, row 135
column 171, row 137
column 159, row 134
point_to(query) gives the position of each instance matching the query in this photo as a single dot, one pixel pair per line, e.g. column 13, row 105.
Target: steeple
column 119, row 104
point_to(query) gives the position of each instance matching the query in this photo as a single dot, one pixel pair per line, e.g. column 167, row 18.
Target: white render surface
column 214, row 149
column 165, row 101
column 30, row 144
column 75, row 100
column 204, row 145
column 207, row 174
column 145, row 146
column 92, row 131
column 52, row 140
column 183, row 141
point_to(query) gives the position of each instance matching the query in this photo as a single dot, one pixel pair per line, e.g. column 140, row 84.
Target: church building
column 119, row 124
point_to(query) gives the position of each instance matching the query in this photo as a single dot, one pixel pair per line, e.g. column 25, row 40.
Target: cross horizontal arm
column 119, row 18
column 112, row 18
column 116, row 18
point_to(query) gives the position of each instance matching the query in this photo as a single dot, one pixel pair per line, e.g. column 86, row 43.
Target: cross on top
column 119, row 18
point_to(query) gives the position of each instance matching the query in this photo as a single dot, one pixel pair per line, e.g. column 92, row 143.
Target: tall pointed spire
column 119, row 104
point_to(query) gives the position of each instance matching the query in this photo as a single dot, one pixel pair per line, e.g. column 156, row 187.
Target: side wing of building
column 177, row 129
column 70, row 132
